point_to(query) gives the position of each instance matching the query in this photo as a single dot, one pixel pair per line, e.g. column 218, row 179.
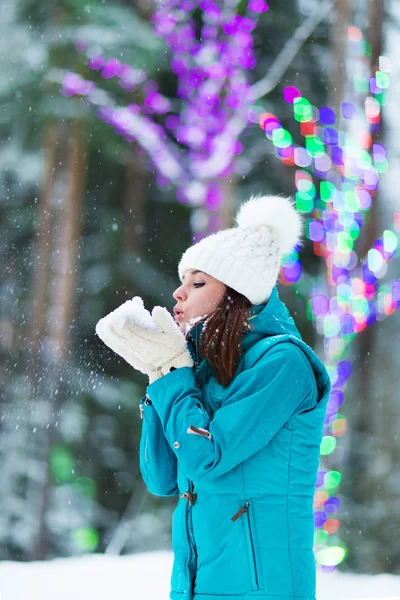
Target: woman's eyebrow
column 193, row 273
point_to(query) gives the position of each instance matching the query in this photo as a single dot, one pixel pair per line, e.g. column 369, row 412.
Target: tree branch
column 263, row 87
column 123, row 528
column 165, row 155
column 170, row 165
column 289, row 51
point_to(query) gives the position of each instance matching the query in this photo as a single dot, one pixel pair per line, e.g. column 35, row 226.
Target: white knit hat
column 247, row 258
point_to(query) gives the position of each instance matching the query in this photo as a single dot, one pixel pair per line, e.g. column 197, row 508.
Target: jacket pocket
column 225, row 564
column 245, row 514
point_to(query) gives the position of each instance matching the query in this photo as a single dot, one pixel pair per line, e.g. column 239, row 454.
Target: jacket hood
column 271, row 319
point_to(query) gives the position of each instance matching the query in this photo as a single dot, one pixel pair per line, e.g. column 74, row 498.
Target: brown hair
column 222, row 334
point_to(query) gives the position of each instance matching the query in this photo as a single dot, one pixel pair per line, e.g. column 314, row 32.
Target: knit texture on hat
column 247, row 257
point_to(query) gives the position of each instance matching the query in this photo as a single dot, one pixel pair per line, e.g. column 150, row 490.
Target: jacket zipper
column 241, row 511
column 190, row 525
column 147, row 401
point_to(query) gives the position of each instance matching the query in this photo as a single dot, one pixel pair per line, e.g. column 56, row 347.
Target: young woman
column 233, row 413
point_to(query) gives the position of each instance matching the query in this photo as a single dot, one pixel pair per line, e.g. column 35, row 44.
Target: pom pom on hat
column 276, row 212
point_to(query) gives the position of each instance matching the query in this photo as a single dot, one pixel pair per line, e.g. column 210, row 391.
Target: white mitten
column 151, row 343
column 110, row 329
column 160, row 346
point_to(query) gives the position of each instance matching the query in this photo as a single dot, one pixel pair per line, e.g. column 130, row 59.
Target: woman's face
column 198, row 296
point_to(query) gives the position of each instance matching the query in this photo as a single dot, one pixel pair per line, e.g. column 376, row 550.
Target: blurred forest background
column 86, row 224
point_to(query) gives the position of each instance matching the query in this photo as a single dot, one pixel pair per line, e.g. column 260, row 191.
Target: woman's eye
column 198, row 284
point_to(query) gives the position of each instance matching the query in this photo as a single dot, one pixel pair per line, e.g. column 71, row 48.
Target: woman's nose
column 178, row 293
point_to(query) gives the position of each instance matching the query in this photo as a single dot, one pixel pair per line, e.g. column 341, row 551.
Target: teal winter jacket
column 244, row 461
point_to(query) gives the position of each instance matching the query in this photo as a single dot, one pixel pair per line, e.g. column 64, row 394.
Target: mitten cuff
column 183, row 360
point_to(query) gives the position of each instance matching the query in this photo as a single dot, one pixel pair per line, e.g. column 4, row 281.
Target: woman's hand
column 159, row 343
column 111, row 329
column 167, row 347
column 152, row 343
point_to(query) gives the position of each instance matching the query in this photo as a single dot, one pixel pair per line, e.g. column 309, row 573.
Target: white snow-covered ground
column 146, row 577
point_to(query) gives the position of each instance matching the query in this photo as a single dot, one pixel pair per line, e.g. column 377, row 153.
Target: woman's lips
column 179, row 316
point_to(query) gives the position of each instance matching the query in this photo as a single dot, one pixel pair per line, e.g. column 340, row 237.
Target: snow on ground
column 146, row 577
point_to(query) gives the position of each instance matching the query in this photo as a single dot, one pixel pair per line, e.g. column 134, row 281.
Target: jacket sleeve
column 158, row 463
column 261, row 400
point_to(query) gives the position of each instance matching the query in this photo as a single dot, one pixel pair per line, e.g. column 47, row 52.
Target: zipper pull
column 240, row 512
column 147, row 400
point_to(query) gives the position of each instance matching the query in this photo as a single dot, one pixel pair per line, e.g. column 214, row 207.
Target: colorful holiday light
column 336, row 178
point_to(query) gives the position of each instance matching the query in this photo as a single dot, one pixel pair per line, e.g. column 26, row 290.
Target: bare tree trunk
column 376, row 11
column 65, row 247
column 364, row 427
column 339, row 53
column 370, row 230
column 42, row 249
column 343, row 14
column 223, row 216
column 227, row 209
column 134, row 200
column 144, row 8
column 63, row 199
column 23, row 474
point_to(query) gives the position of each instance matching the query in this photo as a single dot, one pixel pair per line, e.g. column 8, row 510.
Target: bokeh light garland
column 210, row 58
column 337, row 175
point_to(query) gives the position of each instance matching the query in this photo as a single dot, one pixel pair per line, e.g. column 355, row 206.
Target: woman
column 233, row 414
